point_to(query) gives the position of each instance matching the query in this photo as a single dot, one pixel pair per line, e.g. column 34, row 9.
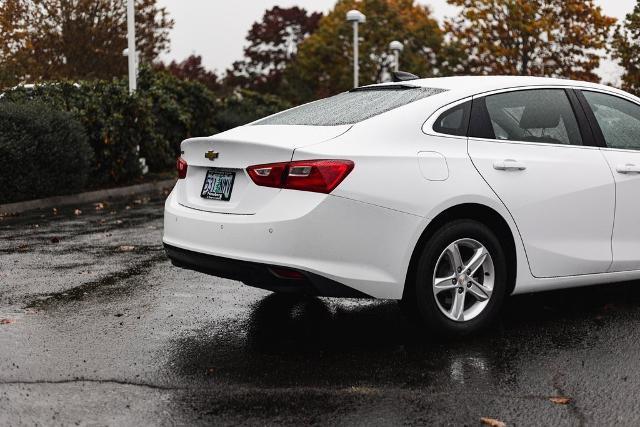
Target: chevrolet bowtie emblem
column 211, row 155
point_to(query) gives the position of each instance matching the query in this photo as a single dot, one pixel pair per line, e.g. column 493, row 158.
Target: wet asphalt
column 98, row 328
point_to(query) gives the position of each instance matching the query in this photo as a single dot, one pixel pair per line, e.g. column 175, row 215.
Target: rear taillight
column 320, row 176
column 271, row 175
column 181, row 166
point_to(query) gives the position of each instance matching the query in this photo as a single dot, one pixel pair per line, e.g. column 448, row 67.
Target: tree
column 530, row 37
column 324, row 62
column 75, row 39
column 626, row 49
column 191, row 69
column 273, row 43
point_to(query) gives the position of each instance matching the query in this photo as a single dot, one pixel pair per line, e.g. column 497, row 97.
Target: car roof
column 463, row 86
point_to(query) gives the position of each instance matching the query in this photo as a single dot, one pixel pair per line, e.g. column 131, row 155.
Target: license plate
column 218, row 185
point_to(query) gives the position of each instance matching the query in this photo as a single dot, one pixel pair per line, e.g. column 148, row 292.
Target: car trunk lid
column 223, row 158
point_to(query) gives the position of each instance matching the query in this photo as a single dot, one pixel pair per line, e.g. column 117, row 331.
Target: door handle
column 629, row 168
column 509, row 165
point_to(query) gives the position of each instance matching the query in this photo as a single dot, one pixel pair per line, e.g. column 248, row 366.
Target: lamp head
column 396, row 46
column 356, row 16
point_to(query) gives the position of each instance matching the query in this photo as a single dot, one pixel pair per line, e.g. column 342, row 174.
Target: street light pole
column 396, row 47
column 357, row 18
column 356, row 55
column 131, row 37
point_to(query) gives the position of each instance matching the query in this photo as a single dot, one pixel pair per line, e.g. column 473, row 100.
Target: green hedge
column 182, row 109
column 163, row 112
column 245, row 106
column 44, row 153
column 114, row 122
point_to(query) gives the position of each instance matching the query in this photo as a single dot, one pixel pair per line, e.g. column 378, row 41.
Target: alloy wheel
column 463, row 280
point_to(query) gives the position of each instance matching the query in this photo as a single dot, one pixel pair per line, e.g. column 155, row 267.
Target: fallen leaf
column 77, row 212
column 55, row 240
column 558, row 400
column 126, row 248
column 6, row 321
column 492, row 422
column 23, row 248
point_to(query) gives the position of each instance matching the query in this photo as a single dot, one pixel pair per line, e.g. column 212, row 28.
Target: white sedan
column 448, row 194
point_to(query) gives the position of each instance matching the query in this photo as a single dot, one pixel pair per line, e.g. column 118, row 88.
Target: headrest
column 538, row 116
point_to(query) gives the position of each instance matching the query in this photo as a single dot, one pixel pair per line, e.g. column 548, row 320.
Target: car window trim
column 480, row 121
column 591, row 117
column 584, row 124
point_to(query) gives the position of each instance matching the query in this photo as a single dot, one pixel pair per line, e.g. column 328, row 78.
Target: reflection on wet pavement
column 109, row 337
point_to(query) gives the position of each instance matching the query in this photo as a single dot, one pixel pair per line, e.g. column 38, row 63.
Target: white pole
column 131, row 36
column 356, row 67
column 396, row 47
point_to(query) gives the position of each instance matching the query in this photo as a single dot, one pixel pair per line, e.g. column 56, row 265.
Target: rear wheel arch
column 471, row 211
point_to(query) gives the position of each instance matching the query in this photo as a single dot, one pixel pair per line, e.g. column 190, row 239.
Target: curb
column 88, row 197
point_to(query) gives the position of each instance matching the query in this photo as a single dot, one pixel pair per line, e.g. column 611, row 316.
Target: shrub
column 181, row 109
column 115, row 123
column 245, row 106
column 163, row 112
column 45, row 153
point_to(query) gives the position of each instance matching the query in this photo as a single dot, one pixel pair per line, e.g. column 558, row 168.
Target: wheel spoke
column 454, row 255
column 480, row 292
column 457, row 308
column 476, row 260
column 444, row 284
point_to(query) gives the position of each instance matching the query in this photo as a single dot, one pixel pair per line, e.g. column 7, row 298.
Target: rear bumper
column 259, row 275
column 360, row 246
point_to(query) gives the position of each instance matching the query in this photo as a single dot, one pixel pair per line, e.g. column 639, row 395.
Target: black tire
column 419, row 301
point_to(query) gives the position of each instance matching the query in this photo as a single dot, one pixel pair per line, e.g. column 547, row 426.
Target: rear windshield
column 350, row 107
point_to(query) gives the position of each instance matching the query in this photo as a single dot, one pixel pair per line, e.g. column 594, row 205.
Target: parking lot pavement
column 97, row 327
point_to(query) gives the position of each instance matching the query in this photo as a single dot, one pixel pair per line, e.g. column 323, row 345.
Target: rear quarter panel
column 387, row 171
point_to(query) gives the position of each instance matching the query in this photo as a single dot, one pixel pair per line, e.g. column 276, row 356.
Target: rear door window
column 351, row 107
column 538, row 115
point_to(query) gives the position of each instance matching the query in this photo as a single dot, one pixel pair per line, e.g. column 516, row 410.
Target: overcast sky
column 216, row 29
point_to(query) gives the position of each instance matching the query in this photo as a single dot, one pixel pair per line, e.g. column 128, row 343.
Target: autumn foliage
column 560, row 38
column 324, row 61
column 626, row 48
column 44, row 40
column 272, row 46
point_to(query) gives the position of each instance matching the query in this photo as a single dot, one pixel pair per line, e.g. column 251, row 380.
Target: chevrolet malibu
column 446, row 194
